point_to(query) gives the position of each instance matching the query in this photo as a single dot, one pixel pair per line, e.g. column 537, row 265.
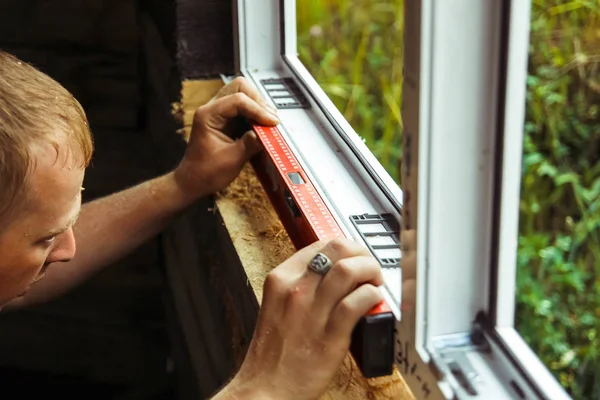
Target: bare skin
column 306, row 320
column 111, row 227
column 305, row 323
column 43, row 234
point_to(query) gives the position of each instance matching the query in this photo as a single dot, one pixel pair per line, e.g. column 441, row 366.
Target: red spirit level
column 307, row 219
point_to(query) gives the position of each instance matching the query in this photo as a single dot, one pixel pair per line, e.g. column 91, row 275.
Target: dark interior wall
column 113, row 55
column 205, row 43
column 91, row 47
column 214, row 301
column 122, row 332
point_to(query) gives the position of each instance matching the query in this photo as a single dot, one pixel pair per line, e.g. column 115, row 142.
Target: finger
column 335, row 250
column 275, row 290
column 246, row 147
column 296, row 267
column 251, row 144
column 345, row 276
column 298, row 263
column 241, row 85
column 348, row 312
column 237, row 104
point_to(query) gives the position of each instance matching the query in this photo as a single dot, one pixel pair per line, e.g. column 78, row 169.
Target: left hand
column 213, row 159
column 305, row 323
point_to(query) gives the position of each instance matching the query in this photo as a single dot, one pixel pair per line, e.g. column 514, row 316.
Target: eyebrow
column 70, row 224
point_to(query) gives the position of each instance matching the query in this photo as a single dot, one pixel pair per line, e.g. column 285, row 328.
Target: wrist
column 185, row 189
column 191, row 181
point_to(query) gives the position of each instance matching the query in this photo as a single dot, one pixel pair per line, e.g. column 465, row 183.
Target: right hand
column 213, row 158
column 306, row 321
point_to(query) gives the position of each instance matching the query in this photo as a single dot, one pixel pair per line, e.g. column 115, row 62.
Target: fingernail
column 271, row 108
column 273, row 115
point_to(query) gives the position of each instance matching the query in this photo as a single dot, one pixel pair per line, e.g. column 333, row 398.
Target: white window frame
column 467, row 229
column 334, row 162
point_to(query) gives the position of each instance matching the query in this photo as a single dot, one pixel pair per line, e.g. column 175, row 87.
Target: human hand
column 213, row 157
column 306, row 321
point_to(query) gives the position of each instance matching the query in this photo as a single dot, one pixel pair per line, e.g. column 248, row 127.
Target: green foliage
column 558, row 282
column 354, row 50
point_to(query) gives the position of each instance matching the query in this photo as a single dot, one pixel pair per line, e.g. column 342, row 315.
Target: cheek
column 17, row 271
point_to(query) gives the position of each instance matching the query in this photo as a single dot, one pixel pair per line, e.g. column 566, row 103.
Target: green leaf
column 547, row 169
column 569, row 177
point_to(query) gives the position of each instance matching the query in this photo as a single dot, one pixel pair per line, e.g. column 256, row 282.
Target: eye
column 49, row 241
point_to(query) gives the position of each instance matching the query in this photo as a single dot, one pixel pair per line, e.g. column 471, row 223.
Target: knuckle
column 238, row 81
column 201, row 113
column 347, row 309
column 297, row 297
column 372, row 263
column 274, row 281
column 371, row 291
column 344, row 270
column 339, row 246
column 239, row 97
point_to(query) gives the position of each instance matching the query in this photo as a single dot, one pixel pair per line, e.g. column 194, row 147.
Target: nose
column 64, row 249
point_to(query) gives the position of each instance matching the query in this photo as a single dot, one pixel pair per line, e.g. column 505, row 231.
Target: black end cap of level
column 372, row 344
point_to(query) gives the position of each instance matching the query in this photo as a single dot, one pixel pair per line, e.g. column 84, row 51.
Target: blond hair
column 34, row 109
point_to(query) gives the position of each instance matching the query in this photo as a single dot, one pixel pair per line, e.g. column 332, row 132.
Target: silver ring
column 320, row 263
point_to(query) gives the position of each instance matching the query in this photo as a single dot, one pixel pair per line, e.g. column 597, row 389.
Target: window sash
column 458, row 220
column 503, row 298
column 259, row 56
column 489, row 122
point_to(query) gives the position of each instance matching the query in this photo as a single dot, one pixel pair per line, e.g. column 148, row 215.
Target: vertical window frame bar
column 503, row 300
column 504, row 273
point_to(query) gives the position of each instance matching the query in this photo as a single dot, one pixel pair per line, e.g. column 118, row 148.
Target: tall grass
column 354, row 50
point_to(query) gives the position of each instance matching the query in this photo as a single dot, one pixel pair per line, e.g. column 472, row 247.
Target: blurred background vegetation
column 354, row 50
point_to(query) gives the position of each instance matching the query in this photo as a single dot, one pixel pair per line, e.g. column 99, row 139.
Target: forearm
column 110, row 228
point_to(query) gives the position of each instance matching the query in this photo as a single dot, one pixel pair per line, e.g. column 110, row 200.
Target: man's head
column 45, row 145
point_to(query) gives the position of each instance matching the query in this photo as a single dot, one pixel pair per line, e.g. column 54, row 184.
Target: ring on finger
column 320, row 263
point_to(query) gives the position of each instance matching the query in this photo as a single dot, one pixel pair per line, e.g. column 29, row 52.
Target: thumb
column 251, row 144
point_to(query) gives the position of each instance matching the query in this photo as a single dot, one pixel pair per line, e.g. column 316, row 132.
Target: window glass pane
column 558, row 281
column 353, row 49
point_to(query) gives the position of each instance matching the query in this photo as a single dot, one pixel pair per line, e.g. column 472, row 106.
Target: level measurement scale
column 307, row 219
column 300, row 186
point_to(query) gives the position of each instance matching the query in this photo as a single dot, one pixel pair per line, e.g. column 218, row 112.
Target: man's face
column 42, row 232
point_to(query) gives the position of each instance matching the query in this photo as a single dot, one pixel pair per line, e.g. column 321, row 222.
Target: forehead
column 54, row 181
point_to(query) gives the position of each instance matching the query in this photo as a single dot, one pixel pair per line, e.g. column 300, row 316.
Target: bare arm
column 111, row 227
column 306, row 319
